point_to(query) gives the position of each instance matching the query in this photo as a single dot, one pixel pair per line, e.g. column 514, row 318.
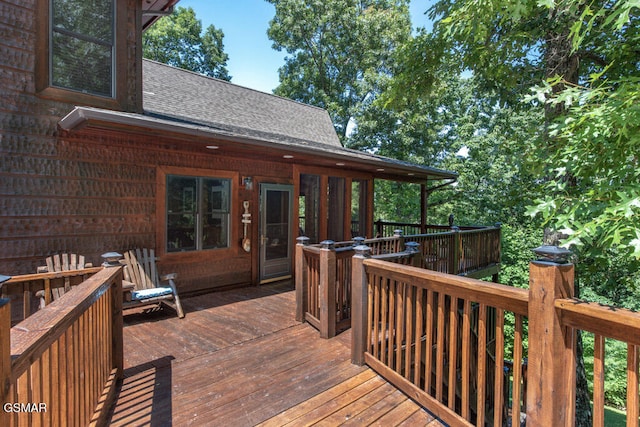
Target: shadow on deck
column 239, row 358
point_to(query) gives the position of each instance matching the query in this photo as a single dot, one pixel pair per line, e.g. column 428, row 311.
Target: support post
column 454, row 251
column 414, row 249
column 118, row 323
column 359, row 304
column 301, row 278
column 399, row 235
column 327, row 289
column 551, row 368
column 5, row 357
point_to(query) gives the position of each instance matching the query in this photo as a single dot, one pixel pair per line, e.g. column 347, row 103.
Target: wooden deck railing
column 323, row 272
column 441, row 339
column 60, row 365
column 22, row 290
column 388, row 228
column 323, row 280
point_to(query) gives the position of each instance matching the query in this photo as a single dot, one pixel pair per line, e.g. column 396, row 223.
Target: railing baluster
column 517, row 392
column 482, row 364
column 5, row 358
column 453, row 354
column 430, row 329
column 498, row 406
column 598, row 379
column 440, row 335
column 410, row 345
column 465, row 362
column 632, row 385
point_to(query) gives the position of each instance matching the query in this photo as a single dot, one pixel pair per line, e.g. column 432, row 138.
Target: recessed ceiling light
column 339, row 164
column 212, row 147
column 380, row 169
column 287, row 156
column 411, row 174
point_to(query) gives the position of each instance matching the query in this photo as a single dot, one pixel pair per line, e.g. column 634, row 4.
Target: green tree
column 178, row 40
column 337, row 50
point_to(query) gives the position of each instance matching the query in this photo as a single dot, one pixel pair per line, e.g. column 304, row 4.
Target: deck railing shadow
column 442, row 340
column 60, row 366
column 148, row 397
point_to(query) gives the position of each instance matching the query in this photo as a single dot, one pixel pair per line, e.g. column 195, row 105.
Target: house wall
column 45, row 181
column 100, row 192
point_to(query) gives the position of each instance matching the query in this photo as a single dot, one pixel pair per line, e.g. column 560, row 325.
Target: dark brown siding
column 98, row 192
column 49, row 185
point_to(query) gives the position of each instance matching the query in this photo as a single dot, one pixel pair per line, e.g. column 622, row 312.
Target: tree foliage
column 178, row 40
column 597, row 142
column 337, row 51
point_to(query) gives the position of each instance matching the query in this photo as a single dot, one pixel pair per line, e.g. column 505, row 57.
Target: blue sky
column 252, row 61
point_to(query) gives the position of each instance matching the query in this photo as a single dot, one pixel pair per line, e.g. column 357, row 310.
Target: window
column 358, row 208
column 309, row 207
column 82, row 46
column 197, row 213
column 336, row 217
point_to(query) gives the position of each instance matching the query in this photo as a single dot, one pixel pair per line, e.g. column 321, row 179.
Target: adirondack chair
column 60, row 262
column 145, row 285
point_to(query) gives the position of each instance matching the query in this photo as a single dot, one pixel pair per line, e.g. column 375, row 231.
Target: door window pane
column 358, row 208
column 335, row 225
column 309, row 206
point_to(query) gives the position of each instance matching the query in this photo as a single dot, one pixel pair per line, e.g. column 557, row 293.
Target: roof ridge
column 233, row 84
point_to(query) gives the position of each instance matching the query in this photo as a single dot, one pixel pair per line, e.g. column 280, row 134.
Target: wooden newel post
column 551, row 364
column 399, row 235
column 301, row 271
column 327, row 289
column 454, row 251
column 414, row 249
column 5, row 357
column 359, row 304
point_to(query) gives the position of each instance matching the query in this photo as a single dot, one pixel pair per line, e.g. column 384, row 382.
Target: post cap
column 553, row 254
column 362, row 250
column 111, row 259
column 412, row 246
column 327, row 244
column 303, row 240
column 359, row 240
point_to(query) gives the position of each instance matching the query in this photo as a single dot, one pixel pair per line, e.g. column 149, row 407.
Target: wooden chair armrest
column 170, row 276
column 128, row 286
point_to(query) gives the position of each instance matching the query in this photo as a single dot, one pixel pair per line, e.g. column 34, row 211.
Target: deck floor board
column 239, row 358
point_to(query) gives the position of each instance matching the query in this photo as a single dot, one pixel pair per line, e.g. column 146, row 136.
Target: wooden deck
column 239, row 358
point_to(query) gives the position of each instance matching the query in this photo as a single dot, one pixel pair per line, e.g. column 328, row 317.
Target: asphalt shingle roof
column 174, row 93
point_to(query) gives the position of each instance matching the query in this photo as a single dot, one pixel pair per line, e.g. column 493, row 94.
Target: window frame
column 162, row 210
column 44, row 85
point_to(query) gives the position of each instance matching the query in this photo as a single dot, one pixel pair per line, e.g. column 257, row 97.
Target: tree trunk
column 561, row 61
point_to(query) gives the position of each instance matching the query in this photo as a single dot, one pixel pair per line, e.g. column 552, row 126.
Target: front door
column 276, row 214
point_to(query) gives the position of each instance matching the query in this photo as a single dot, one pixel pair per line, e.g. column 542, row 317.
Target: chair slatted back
column 58, row 263
column 141, row 265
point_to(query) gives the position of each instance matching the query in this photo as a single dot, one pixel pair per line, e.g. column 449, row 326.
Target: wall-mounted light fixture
column 247, row 181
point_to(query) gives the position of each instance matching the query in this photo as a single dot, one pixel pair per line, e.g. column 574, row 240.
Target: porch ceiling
column 247, row 145
column 152, row 10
